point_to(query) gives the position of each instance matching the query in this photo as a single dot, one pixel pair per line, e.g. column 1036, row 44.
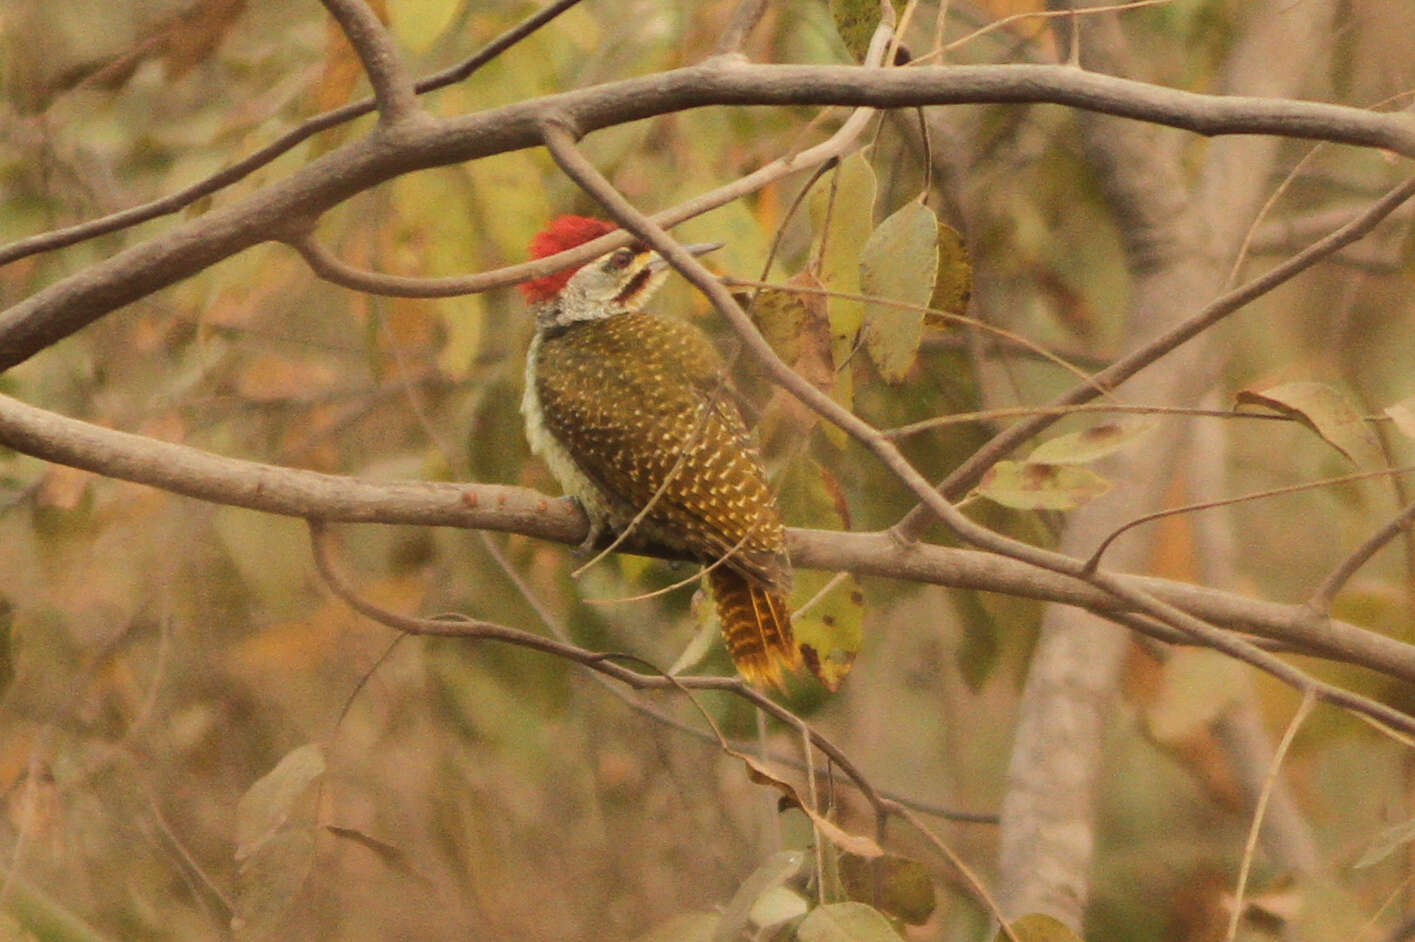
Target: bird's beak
column 658, row 262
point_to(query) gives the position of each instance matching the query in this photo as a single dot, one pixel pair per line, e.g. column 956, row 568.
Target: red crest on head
column 563, row 232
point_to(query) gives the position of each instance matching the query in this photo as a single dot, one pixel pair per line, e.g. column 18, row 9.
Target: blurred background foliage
column 162, row 655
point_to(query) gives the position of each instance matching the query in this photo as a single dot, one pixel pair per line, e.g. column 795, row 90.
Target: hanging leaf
column 777, row 907
column 1403, row 415
column 830, row 631
column 899, row 261
column 1090, row 444
column 846, row 922
column 1325, row 411
column 899, row 886
column 953, row 286
column 842, row 214
column 780, row 867
column 267, row 805
column 1031, row 486
column 419, row 23
column 1037, row 927
column 856, row 22
column 839, row 837
column 797, row 325
column 977, row 655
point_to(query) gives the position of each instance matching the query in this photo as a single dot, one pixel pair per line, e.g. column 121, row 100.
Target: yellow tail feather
column 756, row 628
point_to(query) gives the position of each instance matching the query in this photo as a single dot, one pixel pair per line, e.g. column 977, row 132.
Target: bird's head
column 619, row 282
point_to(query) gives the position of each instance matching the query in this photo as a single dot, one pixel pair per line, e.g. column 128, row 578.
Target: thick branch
column 297, row 493
column 273, row 212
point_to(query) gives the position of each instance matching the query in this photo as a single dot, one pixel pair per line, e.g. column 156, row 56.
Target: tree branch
column 173, row 202
column 291, row 492
column 559, row 139
column 71, row 303
column 392, row 89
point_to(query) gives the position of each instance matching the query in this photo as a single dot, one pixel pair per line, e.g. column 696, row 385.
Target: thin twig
column 1095, row 558
column 968, row 473
column 1013, row 412
column 1008, row 335
column 1309, row 700
column 605, row 663
column 971, row 878
column 174, row 202
column 1325, row 593
column 739, row 26
column 556, row 628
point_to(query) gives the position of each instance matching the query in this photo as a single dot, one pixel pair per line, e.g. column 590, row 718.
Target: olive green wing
column 642, row 404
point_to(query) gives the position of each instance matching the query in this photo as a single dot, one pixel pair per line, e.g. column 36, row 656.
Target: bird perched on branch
column 634, row 414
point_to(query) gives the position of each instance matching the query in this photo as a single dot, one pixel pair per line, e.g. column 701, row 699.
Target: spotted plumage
column 632, row 410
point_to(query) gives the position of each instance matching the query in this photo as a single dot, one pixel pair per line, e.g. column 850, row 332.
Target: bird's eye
column 621, row 259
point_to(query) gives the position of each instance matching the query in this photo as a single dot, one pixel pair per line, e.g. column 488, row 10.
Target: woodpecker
column 634, row 415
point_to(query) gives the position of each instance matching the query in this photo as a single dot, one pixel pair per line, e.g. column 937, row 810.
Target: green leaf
column 267, row 805
column 777, row 906
column 846, row 922
column 831, row 630
column 856, row 21
column 773, row 872
column 1090, row 444
column 1031, row 486
column 1386, row 843
column 898, row 261
column 953, row 287
column 420, row 23
column 1037, row 927
column 270, row 553
column 842, row 214
column 1325, row 411
column 905, row 889
column 797, row 326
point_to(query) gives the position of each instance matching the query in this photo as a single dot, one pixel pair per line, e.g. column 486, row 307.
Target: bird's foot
column 591, row 541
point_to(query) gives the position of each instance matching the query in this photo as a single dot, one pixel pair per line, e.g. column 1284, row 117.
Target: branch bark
column 291, row 492
column 292, row 205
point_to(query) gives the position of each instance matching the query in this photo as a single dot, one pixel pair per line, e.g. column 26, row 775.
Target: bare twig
column 1322, row 597
column 556, row 628
column 739, row 26
column 1303, row 709
column 968, row 473
column 173, row 202
column 605, row 663
column 1355, row 561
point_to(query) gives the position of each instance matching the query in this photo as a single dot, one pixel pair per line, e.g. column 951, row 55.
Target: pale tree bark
column 1180, row 241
